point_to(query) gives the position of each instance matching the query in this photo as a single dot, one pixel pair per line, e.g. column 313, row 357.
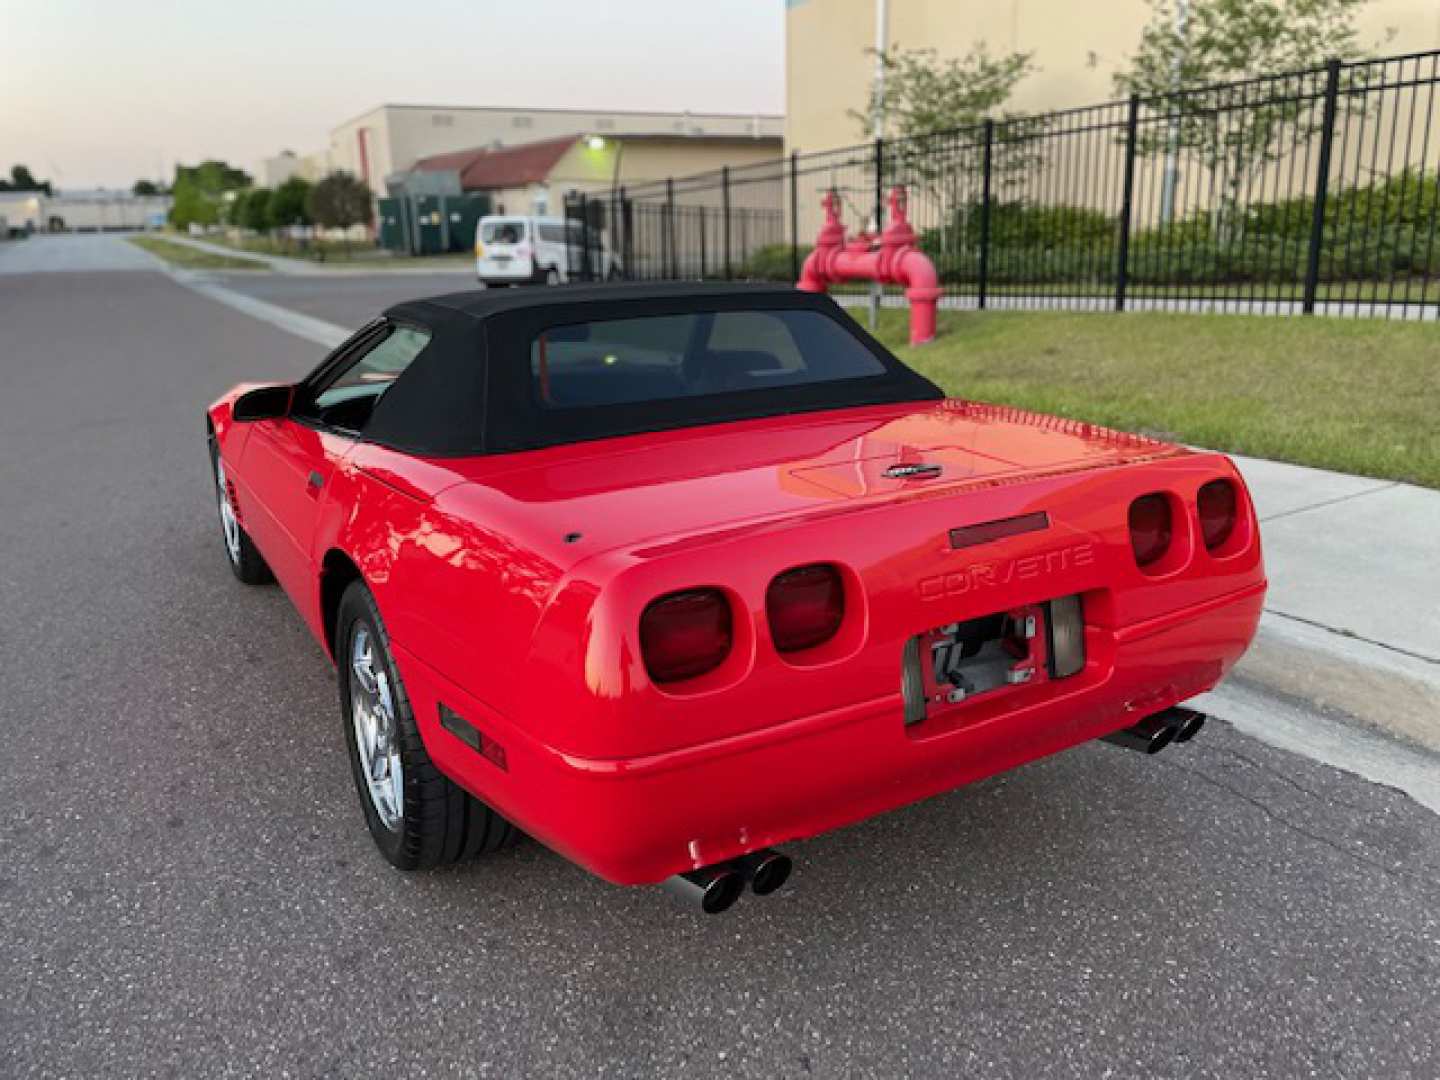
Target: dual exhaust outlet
column 714, row 889
column 1154, row 733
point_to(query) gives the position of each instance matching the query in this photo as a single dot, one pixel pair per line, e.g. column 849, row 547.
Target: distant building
column 93, row 210
column 274, row 171
column 533, row 178
column 390, row 139
column 23, row 210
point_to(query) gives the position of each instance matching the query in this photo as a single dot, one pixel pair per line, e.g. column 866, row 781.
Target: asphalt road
column 187, row 888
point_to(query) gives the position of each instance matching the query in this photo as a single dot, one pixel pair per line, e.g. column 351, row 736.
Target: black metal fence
column 1317, row 190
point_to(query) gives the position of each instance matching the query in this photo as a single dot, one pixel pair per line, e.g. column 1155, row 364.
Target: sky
column 103, row 92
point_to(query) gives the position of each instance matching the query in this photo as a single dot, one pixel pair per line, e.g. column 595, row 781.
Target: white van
column 512, row 250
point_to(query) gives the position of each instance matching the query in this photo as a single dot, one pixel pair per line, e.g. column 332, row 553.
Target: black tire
column 440, row 822
column 245, row 560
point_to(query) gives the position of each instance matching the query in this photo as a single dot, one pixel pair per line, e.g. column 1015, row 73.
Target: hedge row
column 1375, row 232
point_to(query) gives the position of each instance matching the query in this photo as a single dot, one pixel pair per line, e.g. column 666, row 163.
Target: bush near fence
column 772, row 263
column 1370, row 231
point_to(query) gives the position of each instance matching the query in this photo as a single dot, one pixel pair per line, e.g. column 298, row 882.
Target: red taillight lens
column 685, row 634
column 805, row 607
column 1150, row 528
column 1216, row 502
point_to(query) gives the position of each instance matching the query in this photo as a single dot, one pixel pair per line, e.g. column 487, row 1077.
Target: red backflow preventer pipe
column 895, row 261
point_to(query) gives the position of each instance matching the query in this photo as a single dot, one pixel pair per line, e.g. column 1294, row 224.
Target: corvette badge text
column 982, row 575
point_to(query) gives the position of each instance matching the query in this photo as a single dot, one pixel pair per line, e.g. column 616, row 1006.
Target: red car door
column 287, row 464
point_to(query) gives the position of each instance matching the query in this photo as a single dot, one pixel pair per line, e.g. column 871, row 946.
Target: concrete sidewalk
column 1352, row 619
column 282, row 264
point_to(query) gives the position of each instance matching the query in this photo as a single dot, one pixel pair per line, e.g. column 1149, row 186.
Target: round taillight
column 685, row 634
column 805, row 607
column 1150, row 528
column 1216, row 502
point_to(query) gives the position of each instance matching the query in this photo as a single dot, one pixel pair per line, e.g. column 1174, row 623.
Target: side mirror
column 263, row 403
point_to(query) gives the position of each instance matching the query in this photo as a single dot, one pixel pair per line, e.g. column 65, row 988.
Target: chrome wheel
column 228, row 521
column 377, row 739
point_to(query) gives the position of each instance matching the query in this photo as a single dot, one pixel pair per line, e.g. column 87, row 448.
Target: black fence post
column 725, row 205
column 1322, row 187
column 983, row 284
column 1127, row 200
column 584, row 237
column 674, row 260
column 794, row 215
column 879, row 184
column 700, row 213
column 623, row 223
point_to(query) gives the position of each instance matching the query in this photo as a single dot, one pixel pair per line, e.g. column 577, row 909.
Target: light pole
column 1172, row 143
column 877, row 123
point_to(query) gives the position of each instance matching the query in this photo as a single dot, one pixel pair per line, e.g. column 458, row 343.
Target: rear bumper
column 522, row 274
column 639, row 820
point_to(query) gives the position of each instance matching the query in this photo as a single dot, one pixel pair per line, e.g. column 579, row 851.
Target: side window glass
column 349, row 398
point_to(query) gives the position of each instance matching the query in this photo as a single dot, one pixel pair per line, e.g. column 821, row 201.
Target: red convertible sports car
column 667, row 576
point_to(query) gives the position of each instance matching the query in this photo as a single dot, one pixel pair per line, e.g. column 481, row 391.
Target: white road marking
column 293, row 322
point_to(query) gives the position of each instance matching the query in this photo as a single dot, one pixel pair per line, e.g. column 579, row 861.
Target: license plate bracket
column 951, row 665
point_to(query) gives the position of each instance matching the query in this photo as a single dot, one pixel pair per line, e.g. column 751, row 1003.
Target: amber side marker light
column 1150, row 528
column 805, row 607
column 1217, row 504
column 685, row 634
column 473, row 737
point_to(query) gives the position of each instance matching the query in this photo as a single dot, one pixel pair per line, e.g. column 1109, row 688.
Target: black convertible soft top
column 470, row 391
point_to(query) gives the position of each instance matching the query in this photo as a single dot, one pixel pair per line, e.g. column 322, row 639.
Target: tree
column 147, row 187
column 922, row 99
column 1235, row 131
column 339, row 201
column 257, row 212
column 21, row 179
column 923, row 95
column 289, row 205
column 199, row 191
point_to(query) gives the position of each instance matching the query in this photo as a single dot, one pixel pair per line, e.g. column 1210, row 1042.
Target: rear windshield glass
column 503, row 232
column 665, row 357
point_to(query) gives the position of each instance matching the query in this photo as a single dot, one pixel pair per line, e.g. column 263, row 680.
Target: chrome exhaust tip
column 712, row 889
column 765, row 870
column 1156, row 732
column 1190, row 722
column 1149, row 736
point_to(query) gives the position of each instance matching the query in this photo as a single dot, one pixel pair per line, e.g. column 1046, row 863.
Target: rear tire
column 418, row 817
column 245, row 560
column 552, row 276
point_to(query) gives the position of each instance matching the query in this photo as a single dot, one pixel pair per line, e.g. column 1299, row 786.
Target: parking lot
column 187, row 887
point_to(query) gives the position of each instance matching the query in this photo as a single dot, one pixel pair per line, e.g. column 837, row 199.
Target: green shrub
column 771, row 263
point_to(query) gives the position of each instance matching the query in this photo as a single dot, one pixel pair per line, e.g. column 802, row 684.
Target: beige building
column 533, row 178
column 1078, row 45
column 390, row 139
column 274, row 171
